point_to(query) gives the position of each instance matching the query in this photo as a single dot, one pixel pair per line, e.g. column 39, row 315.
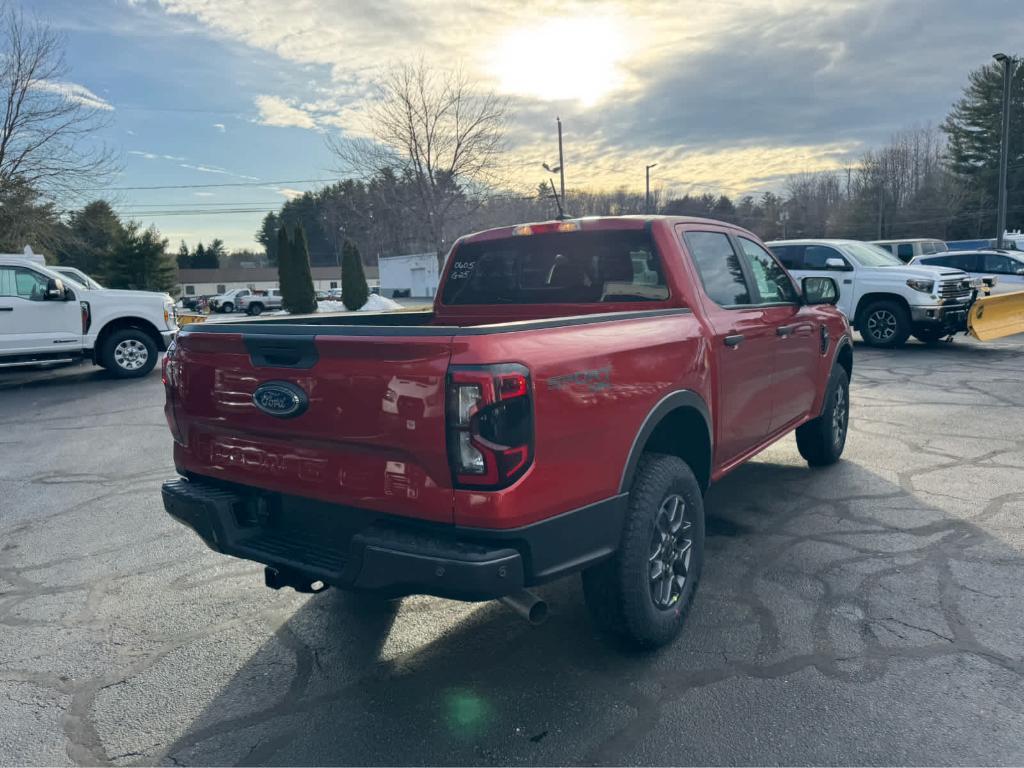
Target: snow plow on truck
column 561, row 409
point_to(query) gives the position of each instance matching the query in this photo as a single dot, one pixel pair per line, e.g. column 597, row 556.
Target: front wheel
column 821, row 441
column 227, row 307
column 129, row 353
column 644, row 592
column 884, row 324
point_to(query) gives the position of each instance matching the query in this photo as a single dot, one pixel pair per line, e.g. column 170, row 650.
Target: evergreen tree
column 140, row 261
column 284, row 265
column 354, row 290
column 304, row 295
column 973, row 128
column 184, row 257
column 215, row 253
column 206, row 258
column 92, row 235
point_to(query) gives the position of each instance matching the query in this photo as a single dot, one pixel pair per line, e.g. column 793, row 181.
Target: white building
column 415, row 272
column 212, row 282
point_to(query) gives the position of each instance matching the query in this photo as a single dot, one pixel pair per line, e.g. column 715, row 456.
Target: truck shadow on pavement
column 834, row 603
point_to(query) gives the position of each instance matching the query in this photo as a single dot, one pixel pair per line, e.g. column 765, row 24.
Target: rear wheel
column 821, row 441
column 128, row 353
column 644, row 592
column 255, row 309
column 884, row 324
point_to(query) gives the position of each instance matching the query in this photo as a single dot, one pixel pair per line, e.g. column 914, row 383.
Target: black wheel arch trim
column 682, row 398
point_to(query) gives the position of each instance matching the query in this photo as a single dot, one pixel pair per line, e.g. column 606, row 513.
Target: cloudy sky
column 728, row 95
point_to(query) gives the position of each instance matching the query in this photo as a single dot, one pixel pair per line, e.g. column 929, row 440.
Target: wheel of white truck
column 255, row 309
column 884, row 324
column 129, row 353
column 644, row 592
column 227, row 306
column 821, row 441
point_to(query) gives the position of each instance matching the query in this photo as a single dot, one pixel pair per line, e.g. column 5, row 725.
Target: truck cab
column 48, row 316
column 885, row 299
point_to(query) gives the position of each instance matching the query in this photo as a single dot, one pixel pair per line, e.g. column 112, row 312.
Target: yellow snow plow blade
column 993, row 317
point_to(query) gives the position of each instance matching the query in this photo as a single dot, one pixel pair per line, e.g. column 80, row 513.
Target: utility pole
column 1004, row 141
column 561, row 160
column 647, row 193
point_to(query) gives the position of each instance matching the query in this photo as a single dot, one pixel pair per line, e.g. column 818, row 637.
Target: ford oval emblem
column 281, row 399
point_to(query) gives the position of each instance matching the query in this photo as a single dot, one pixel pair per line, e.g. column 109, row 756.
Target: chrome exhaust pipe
column 527, row 605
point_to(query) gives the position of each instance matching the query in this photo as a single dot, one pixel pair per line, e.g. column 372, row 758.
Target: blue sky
column 730, row 95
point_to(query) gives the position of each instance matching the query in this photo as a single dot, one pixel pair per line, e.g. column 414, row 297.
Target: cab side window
column 816, row 255
column 23, row 283
column 998, row 264
column 771, row 281
column 905, row 251
column 719, row 267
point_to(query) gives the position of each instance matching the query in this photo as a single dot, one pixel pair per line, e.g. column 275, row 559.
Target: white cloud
column 74, row 92
column 280, row 113
column 220, row 127
column 147, row 155
column 205, row 169
column 288, row 192
column 203, row 194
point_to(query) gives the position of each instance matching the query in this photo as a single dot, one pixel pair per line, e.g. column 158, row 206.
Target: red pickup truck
column 575, row 389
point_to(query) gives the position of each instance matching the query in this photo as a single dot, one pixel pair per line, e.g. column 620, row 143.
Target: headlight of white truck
column 170, row 319
column 924, row 286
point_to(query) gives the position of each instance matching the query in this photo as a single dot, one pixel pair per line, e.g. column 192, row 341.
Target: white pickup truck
column 885, row 299
column 258, row 303
column 47, row 316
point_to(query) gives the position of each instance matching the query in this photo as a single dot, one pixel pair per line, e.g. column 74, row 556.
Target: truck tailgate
column 371, row 436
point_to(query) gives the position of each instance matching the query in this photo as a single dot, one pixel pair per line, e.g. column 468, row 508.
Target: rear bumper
column 310, row 541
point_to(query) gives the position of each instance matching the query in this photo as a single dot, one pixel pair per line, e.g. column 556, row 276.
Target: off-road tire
column 884, row 324
column 122, row 353
column 817, row 440
column 618, row 591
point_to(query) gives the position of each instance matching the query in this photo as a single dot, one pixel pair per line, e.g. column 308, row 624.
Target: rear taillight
column 490, row 425
column 170, row 374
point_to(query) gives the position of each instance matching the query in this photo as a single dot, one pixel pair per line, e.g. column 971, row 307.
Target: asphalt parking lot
column 868, row 613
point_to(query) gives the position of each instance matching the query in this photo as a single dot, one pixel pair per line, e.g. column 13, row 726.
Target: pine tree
column 184, row 257
column 284, row 263
column 304, row 293
column 354, row 290
column 140, row 261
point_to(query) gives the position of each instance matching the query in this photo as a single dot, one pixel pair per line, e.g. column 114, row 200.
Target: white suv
column 47, row 316
column 885, row 299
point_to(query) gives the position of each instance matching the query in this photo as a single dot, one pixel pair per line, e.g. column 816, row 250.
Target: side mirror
column 837, row 264
column 820, row 290
column 54, row 289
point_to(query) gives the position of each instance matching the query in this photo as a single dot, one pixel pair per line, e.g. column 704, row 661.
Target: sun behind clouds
column 562, row 59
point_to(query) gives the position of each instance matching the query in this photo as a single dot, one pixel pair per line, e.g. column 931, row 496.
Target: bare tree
column 438, row 131
column 47, row 125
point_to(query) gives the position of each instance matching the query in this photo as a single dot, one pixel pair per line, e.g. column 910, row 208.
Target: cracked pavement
column 867, row 613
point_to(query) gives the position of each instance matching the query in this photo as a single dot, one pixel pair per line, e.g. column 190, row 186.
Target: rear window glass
column 557, row 268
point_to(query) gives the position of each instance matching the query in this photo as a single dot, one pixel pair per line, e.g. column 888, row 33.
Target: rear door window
column 719, row 267
column 557, row 268
column 791, row 256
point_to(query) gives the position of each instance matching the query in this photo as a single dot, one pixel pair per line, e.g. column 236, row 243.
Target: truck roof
column 592, row 223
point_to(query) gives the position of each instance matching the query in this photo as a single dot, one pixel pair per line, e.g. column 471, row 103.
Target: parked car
column 228, row 301
column 258, row 303
column 906, row 249
column 886, row 300
column 42, row 317
column 334, row 294
column 549, row 415
column 1006, row 268
column 79, row 277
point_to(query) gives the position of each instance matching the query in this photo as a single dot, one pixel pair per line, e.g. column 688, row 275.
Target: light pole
column 647, row 190
column 1004, row 141
column 561, row 164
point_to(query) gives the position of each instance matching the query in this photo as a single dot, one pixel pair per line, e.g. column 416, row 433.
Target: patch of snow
column 375, row 303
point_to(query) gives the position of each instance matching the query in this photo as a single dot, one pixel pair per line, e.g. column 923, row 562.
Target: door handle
column 6, row 309
column 734, row 340
column 784, row 330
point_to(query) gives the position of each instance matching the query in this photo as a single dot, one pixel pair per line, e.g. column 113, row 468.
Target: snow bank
column 375, row 303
